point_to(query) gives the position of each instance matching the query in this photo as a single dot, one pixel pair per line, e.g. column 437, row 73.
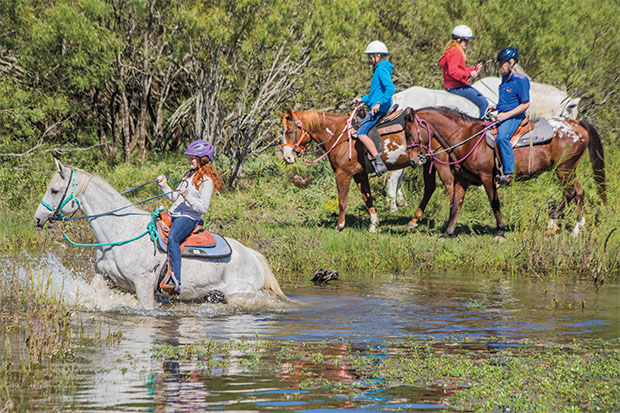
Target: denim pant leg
column 368, row 122
column 505, row 130
column 181, row 227
column 472, row 94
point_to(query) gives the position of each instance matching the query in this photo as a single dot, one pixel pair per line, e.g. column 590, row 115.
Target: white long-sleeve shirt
column 195, row 203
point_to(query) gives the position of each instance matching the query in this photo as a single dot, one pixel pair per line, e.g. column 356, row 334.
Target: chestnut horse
column 331, row 131
column 472, row 160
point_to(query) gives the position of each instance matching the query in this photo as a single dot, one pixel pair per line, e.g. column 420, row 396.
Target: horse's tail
column 270, row 280
column 597, row 158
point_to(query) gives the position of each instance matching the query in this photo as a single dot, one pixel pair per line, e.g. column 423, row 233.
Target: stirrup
column 504, row 179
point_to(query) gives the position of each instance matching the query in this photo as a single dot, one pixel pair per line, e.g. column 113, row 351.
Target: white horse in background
column 134, row 266
column 546, row 101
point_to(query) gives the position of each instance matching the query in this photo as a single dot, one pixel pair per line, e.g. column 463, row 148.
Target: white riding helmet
column 462, row 32
column 376, row 47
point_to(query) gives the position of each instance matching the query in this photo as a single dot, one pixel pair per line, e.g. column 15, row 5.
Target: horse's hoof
column 412, row 225
column 340, row 227
column 393, row 208
column 447, row 235
column 500, row 238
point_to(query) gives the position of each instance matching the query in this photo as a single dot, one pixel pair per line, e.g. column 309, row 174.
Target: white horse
column 134, row 266
column 546, row 101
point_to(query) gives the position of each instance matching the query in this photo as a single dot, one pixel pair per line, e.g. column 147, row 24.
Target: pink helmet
column 201, row 148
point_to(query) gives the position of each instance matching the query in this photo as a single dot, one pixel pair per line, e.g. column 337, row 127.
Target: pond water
column 350, row 314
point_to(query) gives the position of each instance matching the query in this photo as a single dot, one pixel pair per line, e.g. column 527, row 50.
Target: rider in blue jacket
column 514, row 100
column 379, row 99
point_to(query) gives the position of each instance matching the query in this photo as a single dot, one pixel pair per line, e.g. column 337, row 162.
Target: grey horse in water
column 134, row 266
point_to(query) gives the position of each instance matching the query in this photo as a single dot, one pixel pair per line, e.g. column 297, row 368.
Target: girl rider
column 191, row 201
column 456, row 75
column 379, row 99
column 514, row 100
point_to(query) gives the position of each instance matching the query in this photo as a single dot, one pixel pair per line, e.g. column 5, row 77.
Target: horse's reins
column 434, row 154
column 57, row 215
column 299, row 125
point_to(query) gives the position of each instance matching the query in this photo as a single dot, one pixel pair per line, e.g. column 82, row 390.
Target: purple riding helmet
column 201, row 148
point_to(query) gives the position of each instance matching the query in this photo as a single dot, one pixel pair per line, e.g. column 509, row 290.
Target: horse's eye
column 54, row 191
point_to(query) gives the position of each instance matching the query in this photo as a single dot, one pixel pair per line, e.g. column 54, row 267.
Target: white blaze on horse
column 134, row 266
column 546, row 101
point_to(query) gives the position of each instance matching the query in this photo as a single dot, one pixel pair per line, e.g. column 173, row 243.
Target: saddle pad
column 541, row 133
column 219, row 249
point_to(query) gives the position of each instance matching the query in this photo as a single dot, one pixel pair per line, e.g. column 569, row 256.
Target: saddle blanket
column 541, row 132
column 200, row 243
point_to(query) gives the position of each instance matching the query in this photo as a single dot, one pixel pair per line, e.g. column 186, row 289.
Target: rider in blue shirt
column 514, row 100
column 379, row 99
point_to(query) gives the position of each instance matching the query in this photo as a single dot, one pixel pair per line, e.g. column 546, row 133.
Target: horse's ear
column 409, row 114
column 59, row 166
column 289, row 112
column 281, row 114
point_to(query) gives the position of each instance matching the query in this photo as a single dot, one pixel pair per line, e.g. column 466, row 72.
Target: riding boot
column 378, row 165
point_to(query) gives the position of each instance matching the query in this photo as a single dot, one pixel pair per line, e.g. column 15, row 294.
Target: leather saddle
column 392, row 122
column 528, row 133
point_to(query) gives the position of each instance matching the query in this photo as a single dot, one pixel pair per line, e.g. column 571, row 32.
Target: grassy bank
column 295, row 226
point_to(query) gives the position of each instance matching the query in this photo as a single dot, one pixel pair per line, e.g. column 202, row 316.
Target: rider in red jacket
column 456, row 75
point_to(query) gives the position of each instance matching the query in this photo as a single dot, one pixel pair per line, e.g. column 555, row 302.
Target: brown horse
column 331, row 131
column 472, row 160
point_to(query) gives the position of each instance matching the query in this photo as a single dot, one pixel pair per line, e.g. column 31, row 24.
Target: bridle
column 299, row 146
column 56, row 214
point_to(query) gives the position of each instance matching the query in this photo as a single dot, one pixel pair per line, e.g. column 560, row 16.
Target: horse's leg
column 567, row 179
column 581, row 219
column 447, row 177
column 458, row 195
column 391, row 189
column 400, row 195
column 144, row 286
column 362, row 183
column 491, row 190
column 342, row 181
column 429, row 188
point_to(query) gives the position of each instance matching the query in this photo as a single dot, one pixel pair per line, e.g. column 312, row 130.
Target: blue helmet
column 508, row 53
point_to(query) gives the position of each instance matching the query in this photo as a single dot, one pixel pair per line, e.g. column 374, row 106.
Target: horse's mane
column 450, row 112
column 83, row 178
column 315, row 118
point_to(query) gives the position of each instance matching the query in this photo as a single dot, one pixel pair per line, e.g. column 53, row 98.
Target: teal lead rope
column 151, row 229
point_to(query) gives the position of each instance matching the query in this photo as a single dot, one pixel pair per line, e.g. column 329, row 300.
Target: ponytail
column 206, row 169
column 454, row 43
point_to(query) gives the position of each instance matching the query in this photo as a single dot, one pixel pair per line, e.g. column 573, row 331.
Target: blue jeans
column 505, row 130
column 180, row 229
column 472, row 94
column 368, row 122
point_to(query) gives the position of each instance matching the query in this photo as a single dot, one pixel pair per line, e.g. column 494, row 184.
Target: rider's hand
column 357, row 101
column 183, row 191
column 502, row 116
column 161, row 181
column 375, row 109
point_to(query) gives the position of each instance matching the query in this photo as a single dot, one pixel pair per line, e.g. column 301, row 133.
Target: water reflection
column 350, row 313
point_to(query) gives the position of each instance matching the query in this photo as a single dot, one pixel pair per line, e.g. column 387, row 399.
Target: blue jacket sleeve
column 387, row 85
